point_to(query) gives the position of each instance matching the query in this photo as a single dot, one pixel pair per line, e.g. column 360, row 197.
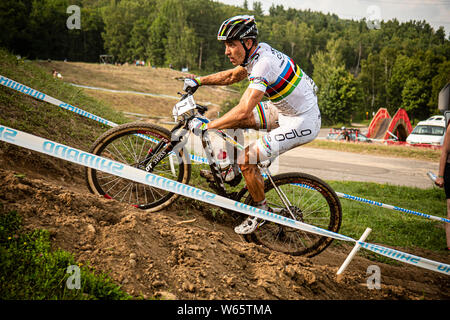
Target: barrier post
column 354, row 251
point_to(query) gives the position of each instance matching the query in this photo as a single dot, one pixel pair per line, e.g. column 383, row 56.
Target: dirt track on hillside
column 168, row 255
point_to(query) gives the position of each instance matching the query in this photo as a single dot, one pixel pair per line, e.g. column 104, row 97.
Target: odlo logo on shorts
column 292, row 135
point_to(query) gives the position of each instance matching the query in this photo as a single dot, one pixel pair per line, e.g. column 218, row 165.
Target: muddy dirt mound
column 184, row 254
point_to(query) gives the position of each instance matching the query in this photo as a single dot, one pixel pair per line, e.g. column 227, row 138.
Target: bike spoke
column 117, row 152
column 308, row 204
column 118, row 181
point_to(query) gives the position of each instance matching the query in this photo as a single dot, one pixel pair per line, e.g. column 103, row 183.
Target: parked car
column 430, row 131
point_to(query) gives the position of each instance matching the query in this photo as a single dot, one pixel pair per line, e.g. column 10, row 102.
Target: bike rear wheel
column 130, row 144
column 313, row 202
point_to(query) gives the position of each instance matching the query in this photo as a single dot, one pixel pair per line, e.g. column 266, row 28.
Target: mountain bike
column 152, row 148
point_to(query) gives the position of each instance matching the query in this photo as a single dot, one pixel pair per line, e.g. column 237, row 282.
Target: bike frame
column 163, row 148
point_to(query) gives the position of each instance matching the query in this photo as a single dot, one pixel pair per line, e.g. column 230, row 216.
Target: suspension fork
column 163, row 148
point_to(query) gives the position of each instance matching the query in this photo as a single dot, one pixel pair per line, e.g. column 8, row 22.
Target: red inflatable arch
column 379, row 124
column 400, row 126
column 383, row 126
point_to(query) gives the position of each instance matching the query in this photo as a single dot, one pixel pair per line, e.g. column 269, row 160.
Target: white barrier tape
column 199, row 159
column 156, row 95
column 80, row 157
column 125, row 91
column 383, row 205
column 407, row 258
column 42, row 96
column 391, row 207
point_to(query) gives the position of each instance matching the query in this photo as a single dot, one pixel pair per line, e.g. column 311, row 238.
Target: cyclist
column 290, row 115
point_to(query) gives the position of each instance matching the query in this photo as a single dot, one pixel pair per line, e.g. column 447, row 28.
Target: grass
column 40, row 118
column 417, row 153
column 141, row 79
column 390, row 227
column 30, row 270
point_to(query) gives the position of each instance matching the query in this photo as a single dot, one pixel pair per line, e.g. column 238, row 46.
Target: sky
column 435, row 12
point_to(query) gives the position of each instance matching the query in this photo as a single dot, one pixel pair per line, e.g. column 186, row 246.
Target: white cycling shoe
column 249, row 225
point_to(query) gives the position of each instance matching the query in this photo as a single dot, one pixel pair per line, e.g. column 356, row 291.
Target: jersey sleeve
column 261, row 76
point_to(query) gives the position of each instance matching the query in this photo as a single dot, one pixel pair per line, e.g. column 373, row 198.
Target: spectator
column 345, row 134
column 56, row 74
column 443, row 178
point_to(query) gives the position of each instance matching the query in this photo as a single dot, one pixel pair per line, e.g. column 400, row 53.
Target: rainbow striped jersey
column 281, row 80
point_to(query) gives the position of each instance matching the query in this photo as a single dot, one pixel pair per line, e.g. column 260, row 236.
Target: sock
column 261, row 204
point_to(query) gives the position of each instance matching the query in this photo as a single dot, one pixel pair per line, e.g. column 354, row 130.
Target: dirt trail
column 168, row 255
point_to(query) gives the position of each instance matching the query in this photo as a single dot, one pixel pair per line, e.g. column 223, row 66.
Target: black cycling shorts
column 447, row 180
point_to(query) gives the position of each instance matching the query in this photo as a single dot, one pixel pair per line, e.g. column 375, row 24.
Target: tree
column 119, row 23
column 277, row 10
column 181, row 49
column 404, row 69
column 338, row 98
column 415, row 99
column 139, row 41
column 375, row 78
column 438, row 82
column 325, row 62
column 257, row 9
column 157, row 38
column 91, row 33
column 14, row 17
column 371, row 85
column 183, row 33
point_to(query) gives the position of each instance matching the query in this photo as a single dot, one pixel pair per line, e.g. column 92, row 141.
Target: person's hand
column 191, row 84
column 197, row 125
column 439, row 182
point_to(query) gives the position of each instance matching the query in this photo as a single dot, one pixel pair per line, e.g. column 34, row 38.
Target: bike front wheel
column 131, row 144
column 312, row 201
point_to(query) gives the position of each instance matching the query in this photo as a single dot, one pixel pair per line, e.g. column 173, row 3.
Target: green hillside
column 30, row 115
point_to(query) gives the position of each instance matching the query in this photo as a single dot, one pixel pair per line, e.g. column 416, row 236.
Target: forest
column 357, row 67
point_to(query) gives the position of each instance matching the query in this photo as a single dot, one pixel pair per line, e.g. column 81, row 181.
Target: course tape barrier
column 391, row 207
column 156, row 95
column 42, row 96
column 80, row 157
column 125, row 91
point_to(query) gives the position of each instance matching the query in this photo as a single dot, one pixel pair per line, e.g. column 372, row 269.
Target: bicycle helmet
column 239, row 28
